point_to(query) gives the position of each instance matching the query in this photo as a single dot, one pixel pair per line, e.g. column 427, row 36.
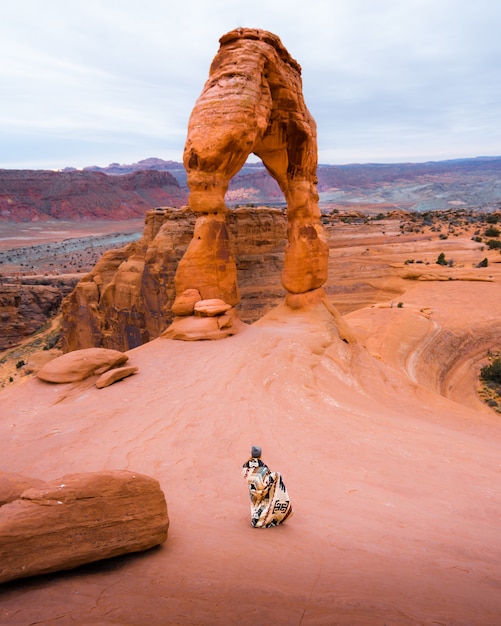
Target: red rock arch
column 252, row 102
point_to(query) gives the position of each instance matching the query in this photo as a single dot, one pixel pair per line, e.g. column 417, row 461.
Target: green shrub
column 494, row 244
column 492, row 219
column 441, row 259
column 492, row 372
column 492, row 231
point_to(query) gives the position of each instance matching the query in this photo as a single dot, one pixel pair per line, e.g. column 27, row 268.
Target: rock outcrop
column 251, row 103
column 25, row 308
column 78, row 519
column 114, row 375
column 26, row 195
column 80, row 364
column 129, row 296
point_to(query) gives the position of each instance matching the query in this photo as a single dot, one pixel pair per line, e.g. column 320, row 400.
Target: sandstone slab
column 114, row 375
column 79, row 364
column 80, row 518
column 211, row 307
column 196, row 328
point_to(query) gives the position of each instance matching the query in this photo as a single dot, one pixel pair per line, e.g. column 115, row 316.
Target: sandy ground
column 59, row 247
column 391, row 460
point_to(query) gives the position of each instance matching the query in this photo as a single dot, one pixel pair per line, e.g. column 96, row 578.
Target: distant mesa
column 39, row 195
column 251, row 103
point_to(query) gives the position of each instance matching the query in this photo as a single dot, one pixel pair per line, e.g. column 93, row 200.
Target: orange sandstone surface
column 390, row 459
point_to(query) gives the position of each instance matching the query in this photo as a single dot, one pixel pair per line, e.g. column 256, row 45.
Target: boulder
column 185, row 303
column 75, row 366
column 211, row 307
column 114, row 375
column 80, row 518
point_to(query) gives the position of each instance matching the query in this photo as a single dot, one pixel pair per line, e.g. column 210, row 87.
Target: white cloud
column 112, row 80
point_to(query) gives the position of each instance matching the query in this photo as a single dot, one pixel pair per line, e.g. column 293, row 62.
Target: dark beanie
column 256, row 452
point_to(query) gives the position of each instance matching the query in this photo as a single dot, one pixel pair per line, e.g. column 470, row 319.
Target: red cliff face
column 27, row 195
column 126, row 300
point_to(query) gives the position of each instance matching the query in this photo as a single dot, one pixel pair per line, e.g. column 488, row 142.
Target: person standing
column 270, row 503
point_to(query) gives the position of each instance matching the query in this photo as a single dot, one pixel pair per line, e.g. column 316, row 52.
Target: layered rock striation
column 27, row 195
column 24, row 308
column 128, row 297
column 80, row 518
column 251, row 103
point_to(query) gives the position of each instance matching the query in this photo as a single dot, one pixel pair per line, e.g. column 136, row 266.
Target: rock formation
column 251, row 103
column 25, row 308
column 127, row 299
column 80, row 518
column 114, row 375
column 80, row 364
column 26, row 195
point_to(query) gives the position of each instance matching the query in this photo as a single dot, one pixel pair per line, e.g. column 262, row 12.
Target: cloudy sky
column 91, row 82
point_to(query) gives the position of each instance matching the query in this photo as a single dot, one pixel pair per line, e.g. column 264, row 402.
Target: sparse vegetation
column 492, row 231
column 494, row 244
column 492, row 372
column 490, row 379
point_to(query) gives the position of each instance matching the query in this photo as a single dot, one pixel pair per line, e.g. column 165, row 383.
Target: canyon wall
column 126, row 300
column 31, row 195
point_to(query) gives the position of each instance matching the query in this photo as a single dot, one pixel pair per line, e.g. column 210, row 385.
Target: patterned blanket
column 270, row 503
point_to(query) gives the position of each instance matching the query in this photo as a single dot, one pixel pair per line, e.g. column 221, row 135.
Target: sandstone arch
column 252, row 102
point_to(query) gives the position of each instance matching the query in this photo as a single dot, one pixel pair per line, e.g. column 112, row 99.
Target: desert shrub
column 492, row 231
column 492, row 219
column 477, row 239
column 494, row 244
column 20, row 364
column 483, row 262
column 400, row 305
column 492, row 372
column 443, row 236
column 441, row 259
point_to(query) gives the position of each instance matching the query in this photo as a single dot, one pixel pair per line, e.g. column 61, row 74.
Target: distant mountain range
column 413, row 186
column 126, row 191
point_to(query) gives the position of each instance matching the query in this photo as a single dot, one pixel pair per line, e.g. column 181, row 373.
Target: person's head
column 256, row 452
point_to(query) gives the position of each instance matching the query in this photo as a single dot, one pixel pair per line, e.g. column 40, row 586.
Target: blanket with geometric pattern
column 270, row 503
